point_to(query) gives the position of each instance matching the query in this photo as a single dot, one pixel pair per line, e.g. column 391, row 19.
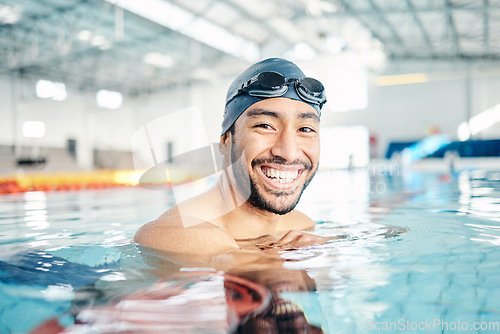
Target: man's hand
column 294, row 240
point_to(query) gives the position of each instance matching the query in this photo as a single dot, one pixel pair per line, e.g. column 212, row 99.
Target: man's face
column 279, row 139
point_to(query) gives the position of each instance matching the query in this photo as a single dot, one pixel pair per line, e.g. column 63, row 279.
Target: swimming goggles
column 273, row 84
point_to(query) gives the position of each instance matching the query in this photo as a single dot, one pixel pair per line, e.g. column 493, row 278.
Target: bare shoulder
column 187, row 235
column 295, row 220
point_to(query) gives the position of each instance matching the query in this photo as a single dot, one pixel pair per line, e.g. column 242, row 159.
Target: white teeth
column 281, row 176
column 285, row 308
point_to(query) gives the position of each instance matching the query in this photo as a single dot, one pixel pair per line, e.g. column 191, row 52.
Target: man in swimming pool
column 270, row 144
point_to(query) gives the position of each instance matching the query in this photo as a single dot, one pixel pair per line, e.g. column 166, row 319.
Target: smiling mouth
column 280, row 176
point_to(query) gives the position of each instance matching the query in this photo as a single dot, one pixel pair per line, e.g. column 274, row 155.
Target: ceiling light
column 45, row 89
column 84, row 35
column 301, row 51
column 158, row 60
column 98, row 40
column 221, row 39
column 9, row 15
column 109, row 99
column 318, row 7
column 334, row 44
column 402, row 79
column 178, row 19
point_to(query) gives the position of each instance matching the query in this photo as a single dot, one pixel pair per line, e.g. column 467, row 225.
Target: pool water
column 413, row 252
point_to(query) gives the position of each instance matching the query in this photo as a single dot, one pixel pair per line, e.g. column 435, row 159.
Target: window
column 33, row 129
column 347, row 88
column 50, row 90
column 344, row 147
column 109, row 99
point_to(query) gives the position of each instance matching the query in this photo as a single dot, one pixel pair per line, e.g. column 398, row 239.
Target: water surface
column 412, row 253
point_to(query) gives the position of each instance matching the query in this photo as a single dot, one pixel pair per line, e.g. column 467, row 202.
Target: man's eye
column 264, row 126
column 306, row 129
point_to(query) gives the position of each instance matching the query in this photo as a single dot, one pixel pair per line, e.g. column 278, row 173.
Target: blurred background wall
column 394, row 71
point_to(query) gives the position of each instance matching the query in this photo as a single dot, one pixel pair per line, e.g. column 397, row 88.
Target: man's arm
column 198, row 239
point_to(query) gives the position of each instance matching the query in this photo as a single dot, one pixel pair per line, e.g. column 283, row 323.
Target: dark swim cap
column 236, row 106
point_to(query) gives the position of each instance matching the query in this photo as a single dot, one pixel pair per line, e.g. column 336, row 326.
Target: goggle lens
column 273, row 84
column 312, row 86
column 271, row 80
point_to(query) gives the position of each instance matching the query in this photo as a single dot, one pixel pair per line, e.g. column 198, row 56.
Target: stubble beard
column 247, row 184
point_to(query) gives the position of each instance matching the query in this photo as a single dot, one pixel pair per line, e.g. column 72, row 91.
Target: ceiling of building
column 118, row 45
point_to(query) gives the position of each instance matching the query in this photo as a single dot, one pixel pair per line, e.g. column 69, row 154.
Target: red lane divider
column 12, row 186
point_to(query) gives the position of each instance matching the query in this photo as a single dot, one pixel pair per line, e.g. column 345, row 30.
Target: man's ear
column 225, row 141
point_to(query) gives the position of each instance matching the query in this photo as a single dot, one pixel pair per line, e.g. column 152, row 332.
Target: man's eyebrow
column 266, row 112
column 306, row 115
column 262, row 112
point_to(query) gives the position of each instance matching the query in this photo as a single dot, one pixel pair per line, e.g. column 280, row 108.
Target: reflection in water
column 281, row 315
column 192, row 301
column 175, row 296
column 35, row 211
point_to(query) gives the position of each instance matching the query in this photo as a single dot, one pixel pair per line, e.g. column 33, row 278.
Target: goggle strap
column 269, row 93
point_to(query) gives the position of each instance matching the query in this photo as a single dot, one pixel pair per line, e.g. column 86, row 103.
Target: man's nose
column 287, row 146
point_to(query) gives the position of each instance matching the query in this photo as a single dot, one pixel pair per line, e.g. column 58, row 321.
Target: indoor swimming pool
column 412, row 253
